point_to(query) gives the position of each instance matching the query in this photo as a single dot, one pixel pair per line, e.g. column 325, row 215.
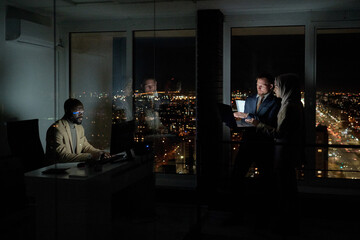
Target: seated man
column 65, row 139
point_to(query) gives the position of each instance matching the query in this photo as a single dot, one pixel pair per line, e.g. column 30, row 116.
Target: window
column 272, row 50
column 164, row 79
column 98, row 81
column 337, row 103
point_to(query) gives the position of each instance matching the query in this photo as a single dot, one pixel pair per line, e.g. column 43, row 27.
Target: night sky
column 338, row 62
column 338, row 58
column 275, row 55
column 174, row 58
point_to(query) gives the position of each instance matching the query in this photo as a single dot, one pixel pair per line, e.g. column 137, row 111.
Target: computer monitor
column 122, row 140
column 122, row 137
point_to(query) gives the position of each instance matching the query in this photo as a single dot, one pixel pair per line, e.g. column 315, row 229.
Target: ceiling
column 70, row 10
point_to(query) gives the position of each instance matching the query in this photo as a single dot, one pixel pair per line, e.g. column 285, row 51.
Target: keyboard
column 119, row 157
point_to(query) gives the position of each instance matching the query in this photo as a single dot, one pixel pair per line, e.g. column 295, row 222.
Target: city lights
column 338, row 111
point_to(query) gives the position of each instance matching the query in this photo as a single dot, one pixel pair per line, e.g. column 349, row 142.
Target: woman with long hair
column 289, row 139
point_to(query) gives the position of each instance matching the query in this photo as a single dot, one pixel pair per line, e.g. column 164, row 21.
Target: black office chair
column 24, row 142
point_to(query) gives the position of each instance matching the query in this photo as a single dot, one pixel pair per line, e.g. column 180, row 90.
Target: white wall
column 27, row 84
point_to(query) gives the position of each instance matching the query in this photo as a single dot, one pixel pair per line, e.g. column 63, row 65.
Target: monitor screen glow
column 240, row 105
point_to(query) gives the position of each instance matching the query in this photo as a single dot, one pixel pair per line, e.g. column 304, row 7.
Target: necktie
column 259, row 103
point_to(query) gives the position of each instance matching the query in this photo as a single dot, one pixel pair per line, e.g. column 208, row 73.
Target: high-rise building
column 321, row 154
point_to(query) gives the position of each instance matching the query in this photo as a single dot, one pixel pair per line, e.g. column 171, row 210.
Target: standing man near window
column 65, row 139
column 152, row 106
column 257, row 147
column 264, row 104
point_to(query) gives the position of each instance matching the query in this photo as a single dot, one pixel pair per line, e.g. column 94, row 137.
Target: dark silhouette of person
column 289, row 148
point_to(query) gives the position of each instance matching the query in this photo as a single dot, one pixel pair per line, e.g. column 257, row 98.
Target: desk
column 80, row 207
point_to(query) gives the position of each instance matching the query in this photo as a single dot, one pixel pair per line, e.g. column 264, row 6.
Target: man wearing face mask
column 65, row 139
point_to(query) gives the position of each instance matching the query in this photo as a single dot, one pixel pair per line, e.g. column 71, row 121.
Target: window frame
column 322, row 26
column 161, row 180
column 311, row 23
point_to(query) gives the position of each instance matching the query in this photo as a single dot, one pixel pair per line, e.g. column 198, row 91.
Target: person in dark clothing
column 289, row 138
column 257, row 147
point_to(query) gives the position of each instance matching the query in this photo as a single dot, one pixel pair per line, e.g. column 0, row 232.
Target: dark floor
column 179, row 215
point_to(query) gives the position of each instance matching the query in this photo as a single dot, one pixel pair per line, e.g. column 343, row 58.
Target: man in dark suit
column 258, row 148
column 263, row 106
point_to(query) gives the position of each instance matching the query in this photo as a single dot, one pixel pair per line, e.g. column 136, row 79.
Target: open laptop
column 240, row 105
column 227, row 117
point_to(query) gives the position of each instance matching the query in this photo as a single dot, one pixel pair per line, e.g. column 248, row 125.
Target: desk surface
column 76, row 173
column 85, row 173
column 78, row 204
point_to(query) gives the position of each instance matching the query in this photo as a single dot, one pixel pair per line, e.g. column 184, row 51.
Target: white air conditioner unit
column 23, row 31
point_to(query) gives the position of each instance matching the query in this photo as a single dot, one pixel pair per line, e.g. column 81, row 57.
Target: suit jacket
column 59, row 144
column 268, row 110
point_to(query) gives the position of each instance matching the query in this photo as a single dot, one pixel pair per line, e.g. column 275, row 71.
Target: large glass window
column 98, row 81
column 254, row 51
column 337, row 103
column 164, row 77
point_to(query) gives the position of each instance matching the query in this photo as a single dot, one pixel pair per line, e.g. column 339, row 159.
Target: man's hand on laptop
column 240, row 115
column 253, row 121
